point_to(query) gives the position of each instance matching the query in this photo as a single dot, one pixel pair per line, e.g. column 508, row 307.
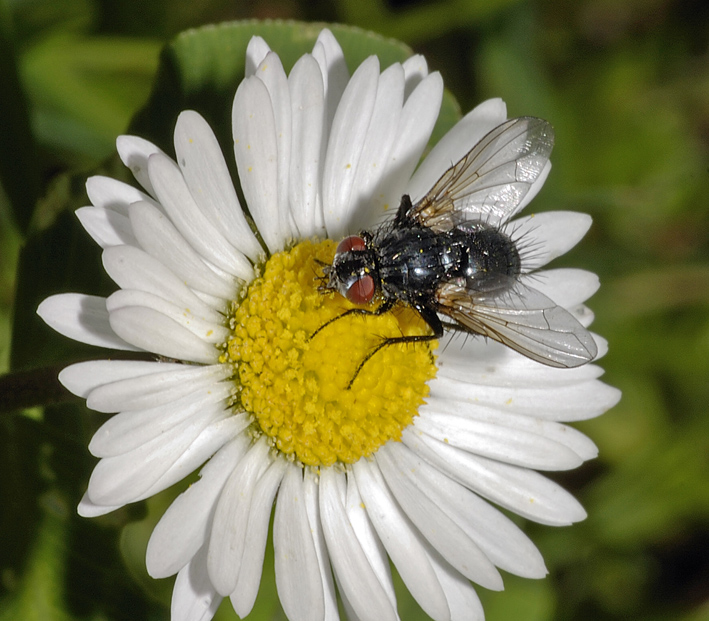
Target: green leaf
column 202, row 68
column 85, row 90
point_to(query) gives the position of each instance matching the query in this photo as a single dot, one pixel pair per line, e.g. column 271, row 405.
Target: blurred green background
column 626, row 85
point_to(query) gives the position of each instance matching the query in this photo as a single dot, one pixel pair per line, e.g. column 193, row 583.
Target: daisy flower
column 403, row 465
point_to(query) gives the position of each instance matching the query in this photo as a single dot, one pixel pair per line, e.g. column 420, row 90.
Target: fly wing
column 521, row 318
column 492, row 179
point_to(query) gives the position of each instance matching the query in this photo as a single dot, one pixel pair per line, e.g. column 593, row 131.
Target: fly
column 448, row 257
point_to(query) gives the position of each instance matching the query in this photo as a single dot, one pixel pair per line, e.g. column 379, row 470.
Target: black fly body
column 448, row 256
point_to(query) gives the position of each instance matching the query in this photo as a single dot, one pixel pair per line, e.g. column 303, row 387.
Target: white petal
column 127, row 431
column 271, row 73
column 544, row 236
column 496, row 535
column 480, row 362
column 464, row 135
column 83, row 318
column 194, row 597
column 115, row 195
column 211, row 300
column 454, row 416
column 298, row 579
column 433, row 521
column 256, row 51
column 523, row 491
column 401, row 540
column 307, row 146
column 202, row 163
column 160, row 384
column 256, row 152
column 347, row 138
column 565, row 403
column 247, row 586
column 215, row 435
column 415, row 70
column 379, row 141
column 357, row 579
column 175, row 196
column 600, row 341
column 154, row 331
column 228, row 536
column 329, row 55
column 84, row 377
column 124, row 478
column 106, row 226
column 368, row 539
column 183, row 530
column 585, row 317
column 568, row 287
column 133, row 268
column 350, row 613
column 508, row 405
column 418, row 117
column 135, row 153
column 311, row 494
column 463, row 602
column 88, row 509
column 206, row 330
column 513, row 440
column 160, row 239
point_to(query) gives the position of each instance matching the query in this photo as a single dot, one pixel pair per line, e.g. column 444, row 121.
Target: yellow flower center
column 296, row 387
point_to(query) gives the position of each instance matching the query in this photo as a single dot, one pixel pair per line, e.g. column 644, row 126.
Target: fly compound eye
column 361, row 291
column 353, row 242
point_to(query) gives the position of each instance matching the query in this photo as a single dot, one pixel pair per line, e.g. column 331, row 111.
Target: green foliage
column 626, row 85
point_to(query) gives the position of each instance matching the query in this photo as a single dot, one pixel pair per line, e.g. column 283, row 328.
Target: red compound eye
column 353, row 242
column 362, row 291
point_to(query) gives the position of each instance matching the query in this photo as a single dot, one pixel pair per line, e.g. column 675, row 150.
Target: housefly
column 449, row 258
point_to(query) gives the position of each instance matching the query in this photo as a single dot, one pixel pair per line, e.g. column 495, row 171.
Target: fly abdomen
column 489, row 252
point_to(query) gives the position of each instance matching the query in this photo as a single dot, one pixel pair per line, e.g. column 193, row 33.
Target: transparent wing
column 521, row 318
column 492, row 179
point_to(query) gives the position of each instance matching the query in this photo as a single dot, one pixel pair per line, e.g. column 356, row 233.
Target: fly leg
column 427, row 313
column 384, row 307
column 456, row 327
column 402, row 214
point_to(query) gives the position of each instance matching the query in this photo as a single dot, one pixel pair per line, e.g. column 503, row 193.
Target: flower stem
column 38, row 387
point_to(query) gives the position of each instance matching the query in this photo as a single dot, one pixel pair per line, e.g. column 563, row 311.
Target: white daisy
column 401, row 465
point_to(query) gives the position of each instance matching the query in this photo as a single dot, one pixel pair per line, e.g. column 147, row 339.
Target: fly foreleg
column 427, row 313
column 384, row 307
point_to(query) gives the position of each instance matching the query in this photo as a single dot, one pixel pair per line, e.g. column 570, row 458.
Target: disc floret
column 295, row 385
